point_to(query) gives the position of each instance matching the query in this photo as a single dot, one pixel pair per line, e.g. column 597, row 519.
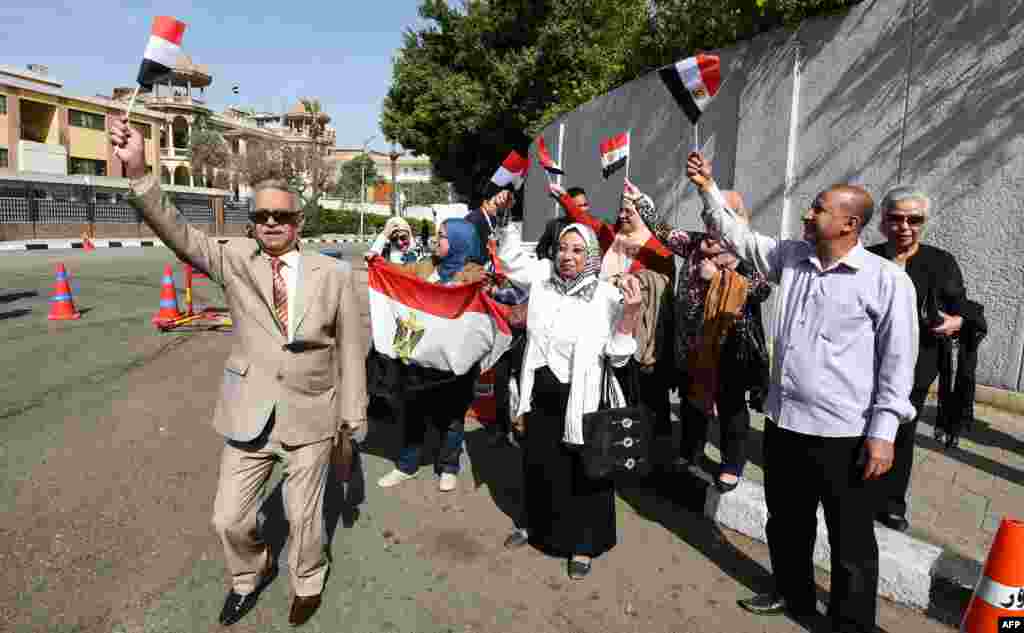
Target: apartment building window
column 3, row 157
column 88, row 120
column 145, row 130
column 3, row 104
column 87, row 167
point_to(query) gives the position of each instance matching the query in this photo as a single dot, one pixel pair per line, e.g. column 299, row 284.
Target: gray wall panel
column 958, row 132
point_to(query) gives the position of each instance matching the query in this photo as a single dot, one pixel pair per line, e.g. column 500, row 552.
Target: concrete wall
column 894, row 91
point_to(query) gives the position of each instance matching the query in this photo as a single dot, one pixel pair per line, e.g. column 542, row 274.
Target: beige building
column 45, row 130
column 408, row 169
column 180, row 100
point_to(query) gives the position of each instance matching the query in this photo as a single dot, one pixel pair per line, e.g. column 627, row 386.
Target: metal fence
column 14, row 211
column 237, row 211
column 61, row 212
column 116, row 213
column 196, row 208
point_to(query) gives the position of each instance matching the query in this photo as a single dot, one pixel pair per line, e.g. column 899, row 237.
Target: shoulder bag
column 616, row 440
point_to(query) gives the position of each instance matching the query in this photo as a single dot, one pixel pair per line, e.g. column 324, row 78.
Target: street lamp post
column 362, row 187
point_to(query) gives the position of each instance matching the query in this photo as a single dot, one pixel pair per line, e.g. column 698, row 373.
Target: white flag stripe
column 614, row 156
column 503, row 177
column 161, row 51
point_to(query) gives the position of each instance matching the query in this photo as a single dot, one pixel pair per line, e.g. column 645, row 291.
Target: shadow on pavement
column 15, row 296
column 13, row 314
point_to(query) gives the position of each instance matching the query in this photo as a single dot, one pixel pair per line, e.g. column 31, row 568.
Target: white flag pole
column 629, row 149
column 696, row 138
column 558, row 177
column 131, row 102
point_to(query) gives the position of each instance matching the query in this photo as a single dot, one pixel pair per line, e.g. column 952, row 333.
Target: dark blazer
column 940, row 286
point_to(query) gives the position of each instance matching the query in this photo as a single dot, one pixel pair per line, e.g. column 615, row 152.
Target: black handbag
column 616, row 440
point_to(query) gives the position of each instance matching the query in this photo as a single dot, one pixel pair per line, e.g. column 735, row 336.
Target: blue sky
column 339, row 51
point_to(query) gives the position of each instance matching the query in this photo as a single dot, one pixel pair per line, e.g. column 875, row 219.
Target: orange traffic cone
column 168, row 299
column 1000, row 591
column 62, row 307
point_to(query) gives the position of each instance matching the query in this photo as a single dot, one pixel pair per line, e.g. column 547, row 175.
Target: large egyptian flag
column 162, row 51
column 693, row 82
column 544, row 156
column 614, row 153
column 448, row 328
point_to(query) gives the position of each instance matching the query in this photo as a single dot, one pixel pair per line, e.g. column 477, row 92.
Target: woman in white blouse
column 573, row 321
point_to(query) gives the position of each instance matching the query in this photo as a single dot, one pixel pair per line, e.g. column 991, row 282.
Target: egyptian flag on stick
column 614, row 153
column 512, row 172
column 693, row 82
column 448, row 328
column 549, row 165
column 162, row 51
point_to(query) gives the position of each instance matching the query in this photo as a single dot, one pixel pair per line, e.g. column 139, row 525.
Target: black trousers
column 734, row 418
column 802, row 471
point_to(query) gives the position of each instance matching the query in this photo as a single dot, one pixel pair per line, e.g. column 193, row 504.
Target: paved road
column 108, row 476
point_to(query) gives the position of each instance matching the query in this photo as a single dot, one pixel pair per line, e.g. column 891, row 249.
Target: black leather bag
column 616, row 440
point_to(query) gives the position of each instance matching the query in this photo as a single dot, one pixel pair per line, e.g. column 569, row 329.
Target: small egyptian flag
column 693, row 82
column 162, row 51
column 614, row 153
column 511, row 172
column 544, row 157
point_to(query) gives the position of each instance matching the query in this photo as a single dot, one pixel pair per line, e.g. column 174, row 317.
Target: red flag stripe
column 516, row 163
column 710, row 72
column 614, row 143
column 168, row 28
column 448, row 302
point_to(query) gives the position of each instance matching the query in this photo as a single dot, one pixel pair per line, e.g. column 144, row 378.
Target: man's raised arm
column 760, row 251
column 190, row 244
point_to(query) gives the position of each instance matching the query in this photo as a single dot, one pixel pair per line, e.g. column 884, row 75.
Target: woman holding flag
column 439, row 398
column 574, row 320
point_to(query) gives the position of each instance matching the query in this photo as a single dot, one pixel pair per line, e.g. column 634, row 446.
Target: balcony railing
column 176, row 99
column 176, row 152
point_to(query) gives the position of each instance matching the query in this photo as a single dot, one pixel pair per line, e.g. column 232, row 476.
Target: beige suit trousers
column 244, row 471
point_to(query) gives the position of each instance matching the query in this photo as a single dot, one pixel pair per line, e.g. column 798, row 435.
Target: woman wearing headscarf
column 574, row 320
column 719, row 343
column 395, row 243
column 429, row 397
column 629, row 248
column 947, row 316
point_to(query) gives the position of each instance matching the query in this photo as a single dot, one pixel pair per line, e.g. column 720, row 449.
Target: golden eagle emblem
column 408, row 333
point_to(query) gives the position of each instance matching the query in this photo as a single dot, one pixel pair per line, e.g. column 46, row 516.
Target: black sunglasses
column 281, row 216
column 912, row 220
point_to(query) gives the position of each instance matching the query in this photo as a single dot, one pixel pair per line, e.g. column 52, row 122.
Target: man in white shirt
column 843, row 368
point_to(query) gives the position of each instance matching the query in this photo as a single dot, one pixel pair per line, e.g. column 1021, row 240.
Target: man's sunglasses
column 912, row 220
column 281, row 216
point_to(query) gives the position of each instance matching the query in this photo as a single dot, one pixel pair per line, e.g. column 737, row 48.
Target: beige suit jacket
column 313, row 390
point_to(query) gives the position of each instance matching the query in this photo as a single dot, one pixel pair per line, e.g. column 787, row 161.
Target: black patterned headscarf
column 584, row 283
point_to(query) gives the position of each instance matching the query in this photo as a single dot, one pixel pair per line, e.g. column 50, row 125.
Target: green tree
column 209, row 150
column 352, row 176
column 475, row 81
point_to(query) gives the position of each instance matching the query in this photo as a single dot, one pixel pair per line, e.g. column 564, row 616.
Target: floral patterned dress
column 692, row 289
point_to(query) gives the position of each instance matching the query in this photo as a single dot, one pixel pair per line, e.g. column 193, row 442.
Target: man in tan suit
column 295, row 376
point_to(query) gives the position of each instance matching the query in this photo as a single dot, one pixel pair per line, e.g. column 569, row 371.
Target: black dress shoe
column 578, row 569
column 764, row 604
column 724, row 486
column 237, row 605
column 517, row 539
column 303, row 608
column 896, row 522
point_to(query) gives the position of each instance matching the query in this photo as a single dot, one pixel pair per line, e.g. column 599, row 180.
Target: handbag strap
column 607, row 386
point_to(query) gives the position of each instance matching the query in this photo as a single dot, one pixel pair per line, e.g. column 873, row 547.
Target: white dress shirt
column 844, row 356
column 567, row 334
column 290, row 272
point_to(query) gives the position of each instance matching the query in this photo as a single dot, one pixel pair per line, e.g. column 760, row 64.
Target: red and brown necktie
column 280, row 294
